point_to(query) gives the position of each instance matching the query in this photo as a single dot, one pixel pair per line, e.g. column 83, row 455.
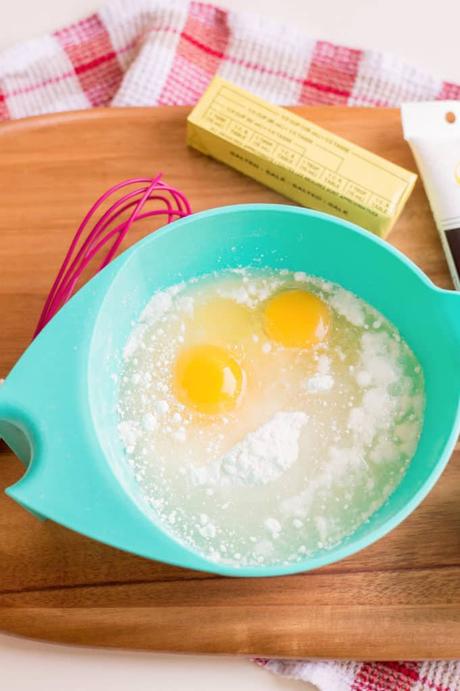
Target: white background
column 425, row 32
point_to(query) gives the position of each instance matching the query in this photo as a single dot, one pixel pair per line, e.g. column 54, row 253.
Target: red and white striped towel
column 162, row 52
column 329, row 675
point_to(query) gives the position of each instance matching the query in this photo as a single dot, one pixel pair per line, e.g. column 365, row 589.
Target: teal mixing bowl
column 57, row 406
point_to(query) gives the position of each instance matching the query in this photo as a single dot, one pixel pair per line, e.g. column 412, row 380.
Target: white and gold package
column 433, row 132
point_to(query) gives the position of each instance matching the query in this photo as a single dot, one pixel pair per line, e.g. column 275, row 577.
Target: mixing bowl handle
column 14, row 430
column 20, row 435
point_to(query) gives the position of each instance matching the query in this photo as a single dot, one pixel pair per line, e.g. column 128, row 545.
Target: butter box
column 298, row 159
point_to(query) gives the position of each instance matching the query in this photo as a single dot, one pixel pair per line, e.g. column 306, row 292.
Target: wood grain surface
column 399, row 598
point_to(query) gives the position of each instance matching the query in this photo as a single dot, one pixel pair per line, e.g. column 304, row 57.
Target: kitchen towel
column 329, row 675
column 164, row 52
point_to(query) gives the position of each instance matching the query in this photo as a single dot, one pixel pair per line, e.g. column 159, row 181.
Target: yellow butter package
column 298, row 159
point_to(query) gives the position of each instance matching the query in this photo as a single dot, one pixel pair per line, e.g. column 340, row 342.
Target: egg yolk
column 296, row 319
column 208, row 378
column 222, row 321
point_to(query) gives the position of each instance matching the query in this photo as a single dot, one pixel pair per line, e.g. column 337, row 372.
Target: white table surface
column 425, row 33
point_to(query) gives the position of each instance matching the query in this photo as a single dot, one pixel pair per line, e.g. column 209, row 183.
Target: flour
column 348, row 306
column 320, row 438
column 185, row 304
column 250, row 293
column 319, row 382
column 324, row 364
column 128, row 431
column 300, row 276
column 322, row 380
column 149, row 422
column 377, row 370
column 162, row 407
column 155, row 309
column 261, row 457
column 273, row 526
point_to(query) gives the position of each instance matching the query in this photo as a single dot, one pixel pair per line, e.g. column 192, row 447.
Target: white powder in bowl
column 319, row 439
column 261, row 457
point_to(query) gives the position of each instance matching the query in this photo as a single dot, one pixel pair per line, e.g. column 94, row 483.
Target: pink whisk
column 173, row 205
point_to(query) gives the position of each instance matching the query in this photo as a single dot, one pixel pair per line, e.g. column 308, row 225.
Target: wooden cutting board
column 399, row 598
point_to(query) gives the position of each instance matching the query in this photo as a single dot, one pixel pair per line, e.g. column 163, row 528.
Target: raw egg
column 296, row 319
column 242, row 419
column 222, row 320
column 208, row 379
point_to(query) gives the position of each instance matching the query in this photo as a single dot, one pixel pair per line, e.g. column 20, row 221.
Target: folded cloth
column 164, row 52
column 329, row 675
column 160, row 52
